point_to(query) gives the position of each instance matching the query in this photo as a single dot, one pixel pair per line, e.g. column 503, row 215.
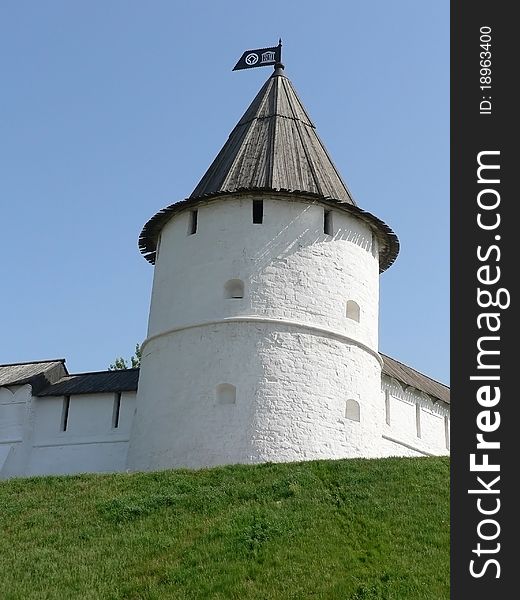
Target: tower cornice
column 258, row 319
column 387, row 240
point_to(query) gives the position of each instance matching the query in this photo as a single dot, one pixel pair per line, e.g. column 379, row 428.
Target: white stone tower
column 262, row 340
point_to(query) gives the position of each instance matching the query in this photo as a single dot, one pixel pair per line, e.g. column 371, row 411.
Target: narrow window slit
column 192, row 225
column 65, row 413
column 327, row 222
column 258, row 211
column 374, row 245
column 117, row 410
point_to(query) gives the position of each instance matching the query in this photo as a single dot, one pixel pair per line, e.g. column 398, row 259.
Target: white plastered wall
column 418, row 424
column 32, row 441
column 287, row 346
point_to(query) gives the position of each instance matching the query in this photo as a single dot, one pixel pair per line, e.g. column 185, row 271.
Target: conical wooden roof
column 273, row 149
column 274, row 146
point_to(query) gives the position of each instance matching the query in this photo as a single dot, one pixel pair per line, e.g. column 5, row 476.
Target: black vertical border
column 472, row 133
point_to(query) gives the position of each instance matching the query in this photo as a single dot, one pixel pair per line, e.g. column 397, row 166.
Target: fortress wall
column 415, row 423
column 33, row 442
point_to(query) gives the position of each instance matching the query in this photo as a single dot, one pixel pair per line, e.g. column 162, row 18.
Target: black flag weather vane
column 261, row 57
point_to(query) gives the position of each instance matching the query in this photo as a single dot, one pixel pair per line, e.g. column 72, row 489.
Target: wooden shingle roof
column 98, row 382
column 411, row 377
column 38, row 374
column 274, row 146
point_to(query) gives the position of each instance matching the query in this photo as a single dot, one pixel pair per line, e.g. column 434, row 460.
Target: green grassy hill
column 347, row 529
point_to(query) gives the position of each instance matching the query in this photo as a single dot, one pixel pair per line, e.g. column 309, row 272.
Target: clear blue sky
column 113, row 109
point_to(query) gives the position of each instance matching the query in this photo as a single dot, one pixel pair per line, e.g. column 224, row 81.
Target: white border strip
column 72, row 443
column 390, row 439
column 255, row 319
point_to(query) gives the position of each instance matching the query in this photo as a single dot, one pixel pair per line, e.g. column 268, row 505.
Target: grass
column 346, row 530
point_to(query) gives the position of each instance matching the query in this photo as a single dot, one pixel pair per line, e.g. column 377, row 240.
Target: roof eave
column 388, row 241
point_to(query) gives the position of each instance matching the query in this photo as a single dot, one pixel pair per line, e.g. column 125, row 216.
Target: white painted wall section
column 407, row 405
column 32, row 441
column 287, row 345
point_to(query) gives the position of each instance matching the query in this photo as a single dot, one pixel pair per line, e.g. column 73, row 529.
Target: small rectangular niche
column 116, row 411
column 226, row 393
column 327, row 222
column 65, row 413
column 258, row 211
column 192, row 222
